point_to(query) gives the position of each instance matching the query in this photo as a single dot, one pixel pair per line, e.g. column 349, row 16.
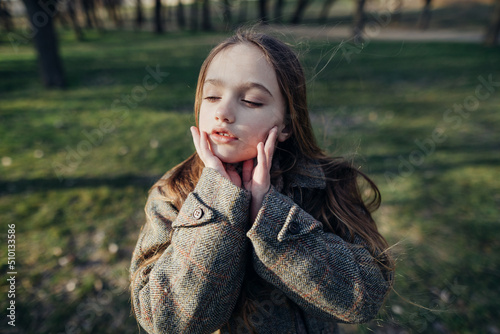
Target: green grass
column 78, row 215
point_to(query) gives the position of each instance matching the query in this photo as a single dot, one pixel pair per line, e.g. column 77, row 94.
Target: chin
column 229, row 160
column 232, row 158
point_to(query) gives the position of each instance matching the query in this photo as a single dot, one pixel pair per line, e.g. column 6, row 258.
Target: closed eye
column 253, row 104
column 212, row 98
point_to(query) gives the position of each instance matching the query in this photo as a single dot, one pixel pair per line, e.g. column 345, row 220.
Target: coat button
column 197, row 213
column 294, row 228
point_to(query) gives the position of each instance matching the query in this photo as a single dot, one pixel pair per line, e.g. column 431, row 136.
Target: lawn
column 76, row 165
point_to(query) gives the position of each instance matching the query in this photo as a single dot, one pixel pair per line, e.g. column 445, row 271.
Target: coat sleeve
column 326, row 276
column 194, row 285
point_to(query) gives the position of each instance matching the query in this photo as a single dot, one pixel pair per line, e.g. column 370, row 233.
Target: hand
column 257, row 179
column 206, row 155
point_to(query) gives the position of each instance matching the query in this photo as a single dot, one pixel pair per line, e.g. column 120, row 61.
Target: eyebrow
column 245, row 86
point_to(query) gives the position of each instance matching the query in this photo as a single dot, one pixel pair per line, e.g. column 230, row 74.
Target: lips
column 222, row 136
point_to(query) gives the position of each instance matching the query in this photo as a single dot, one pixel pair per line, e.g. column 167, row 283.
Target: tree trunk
column 299, row 11
column 62, row 19
column 425, row 16
column 206, row 23
column 90, row 15
column 117, row 18
column 359, row 22
column 114, row 12
column 169, row 14
column 158, row 17
column 194, row 15
column 86, row 9
column 226, row 14
column 70, row 7
column 263, row 11
column 40, row 14
column 181, row 18
column 242, row 17
column 139, row 15
column 278, row 10
column 493, row 31
column 323, row 15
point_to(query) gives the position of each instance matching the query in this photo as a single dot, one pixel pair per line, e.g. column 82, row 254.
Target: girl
column 258, row 231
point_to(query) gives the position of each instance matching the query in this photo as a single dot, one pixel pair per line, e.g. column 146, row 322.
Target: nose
column 224, row 112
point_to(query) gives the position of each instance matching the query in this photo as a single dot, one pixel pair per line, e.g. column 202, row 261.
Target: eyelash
column 253, row 104
column 250, row 103
column 212, row 98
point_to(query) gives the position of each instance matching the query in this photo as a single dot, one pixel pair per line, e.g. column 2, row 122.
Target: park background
column 410, row 94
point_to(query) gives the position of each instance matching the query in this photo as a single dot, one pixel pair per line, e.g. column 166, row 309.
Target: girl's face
column 241, row 103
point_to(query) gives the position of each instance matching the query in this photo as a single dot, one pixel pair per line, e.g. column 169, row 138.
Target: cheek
column 260, row 134
column 260, row 129
column 203, row 118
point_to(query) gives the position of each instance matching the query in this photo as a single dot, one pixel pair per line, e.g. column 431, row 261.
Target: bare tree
column 242, row 16
column 206, row 22
column 92, row 19
column 139, row 14
column 278, row 10
column 226, row 13
column 181, row 18
column 425, row 16
column 158, row 17
column 71, row 10
column 263, row 11
column 194, row 15
column 359, row 21
column 61, row 17
column 299, row 11
column 113, row 9
column 40, row 14
column 493, row 31
column 323, row 15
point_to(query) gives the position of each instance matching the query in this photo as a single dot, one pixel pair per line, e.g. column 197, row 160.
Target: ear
column 285, row 133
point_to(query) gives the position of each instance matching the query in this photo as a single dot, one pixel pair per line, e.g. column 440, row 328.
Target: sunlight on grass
column 75, row 170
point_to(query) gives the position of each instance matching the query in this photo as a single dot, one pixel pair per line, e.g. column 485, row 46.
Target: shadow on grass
column 44, row 184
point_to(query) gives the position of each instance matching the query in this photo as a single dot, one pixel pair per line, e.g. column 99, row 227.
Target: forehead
column 242, row 63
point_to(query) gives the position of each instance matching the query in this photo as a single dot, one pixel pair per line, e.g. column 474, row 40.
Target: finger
column 204, row 145
column 270, row 144
column 271, row 139
column 196, row 137
column 261, row 158
column 273, row 132
column 261, row 177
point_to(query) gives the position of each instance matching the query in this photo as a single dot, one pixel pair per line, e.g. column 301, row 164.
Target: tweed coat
column 315, row 278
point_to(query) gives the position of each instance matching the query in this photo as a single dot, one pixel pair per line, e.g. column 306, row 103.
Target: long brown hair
column 340, row 206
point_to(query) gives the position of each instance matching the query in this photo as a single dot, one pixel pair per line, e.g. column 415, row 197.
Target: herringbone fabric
column 315, row 278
